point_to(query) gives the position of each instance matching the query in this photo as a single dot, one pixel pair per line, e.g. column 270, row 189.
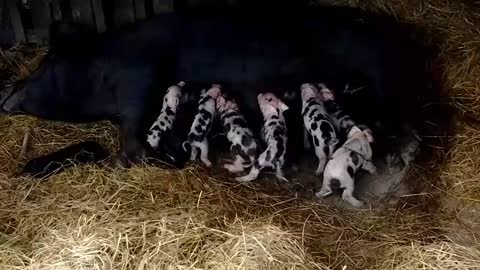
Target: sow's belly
column 237, row 64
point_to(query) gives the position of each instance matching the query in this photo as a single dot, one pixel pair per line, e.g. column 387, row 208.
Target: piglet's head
column 271, row 104
column 325, row 93
column 174, row 93
column 215, row 91
column 226, row 105
column 309, row 91
column 356, row 132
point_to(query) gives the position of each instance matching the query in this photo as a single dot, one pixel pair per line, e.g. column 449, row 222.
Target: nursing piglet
column 317, row 123
column 353, row 155
column 243, row 144
column 167, row 115
column 342, row 121
column 202, row 123
column 274, row 133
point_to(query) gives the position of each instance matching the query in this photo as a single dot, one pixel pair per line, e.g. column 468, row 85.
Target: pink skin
column 214, row 91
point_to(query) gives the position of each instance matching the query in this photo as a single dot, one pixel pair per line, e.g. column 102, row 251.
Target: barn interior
column 98, row 216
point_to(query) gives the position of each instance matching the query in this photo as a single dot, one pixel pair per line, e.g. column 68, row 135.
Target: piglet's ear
column 353, row 130
column 334, row 141
column 369, row 135
column 283, row 107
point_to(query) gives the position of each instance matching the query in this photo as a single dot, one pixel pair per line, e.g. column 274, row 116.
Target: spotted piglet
column 318, row 125
column 353, row 155
column 197, row 137
column 243, row 143
column 342, row 121
column 167, row 115
column 274, row 133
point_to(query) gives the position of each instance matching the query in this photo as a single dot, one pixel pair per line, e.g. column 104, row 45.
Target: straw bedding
column 102, row 217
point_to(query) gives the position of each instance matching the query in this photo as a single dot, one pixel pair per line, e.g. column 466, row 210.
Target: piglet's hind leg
column 322, row 160
column 193, row 152
column 204, row 153
column 306, row 140
column 279, row 172
column 325, row 190
column 347, row 196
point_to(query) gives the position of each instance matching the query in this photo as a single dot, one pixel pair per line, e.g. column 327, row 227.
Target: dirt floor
column 145, row 217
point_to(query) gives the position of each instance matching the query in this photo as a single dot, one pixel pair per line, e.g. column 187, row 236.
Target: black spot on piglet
column 169, row 112
column 335, row 184
column 350, row 171
column 316, row 141
column 239, row 122
column 246, row 140
column 355, row 158
column 326, row 129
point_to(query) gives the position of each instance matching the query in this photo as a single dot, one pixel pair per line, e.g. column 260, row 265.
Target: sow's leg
column 133, row 86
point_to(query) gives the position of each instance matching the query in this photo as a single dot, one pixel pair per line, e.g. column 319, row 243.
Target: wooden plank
column 41, row 19
column 162, row 6
column 3, row 6
column 7, row 36
column 56, row 10
column 82, row 12
column 140, row 10
column 16, row 21
column 124, row 13
column 98, row 15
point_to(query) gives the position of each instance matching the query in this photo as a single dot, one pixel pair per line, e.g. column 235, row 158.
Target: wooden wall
column 29, row 20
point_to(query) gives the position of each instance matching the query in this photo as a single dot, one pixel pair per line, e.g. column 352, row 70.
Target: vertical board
column 98, row 15
column 82, row 12
column 41, row 19
column 123, row 10
column 56, row 10
column 7, row 35
column 162, row 6
column 3, row 6
column 140, row 11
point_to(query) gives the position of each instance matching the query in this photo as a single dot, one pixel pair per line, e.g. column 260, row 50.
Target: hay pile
column 94, row 217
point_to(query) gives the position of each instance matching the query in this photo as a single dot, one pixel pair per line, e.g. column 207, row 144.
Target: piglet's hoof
column 207, row 163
